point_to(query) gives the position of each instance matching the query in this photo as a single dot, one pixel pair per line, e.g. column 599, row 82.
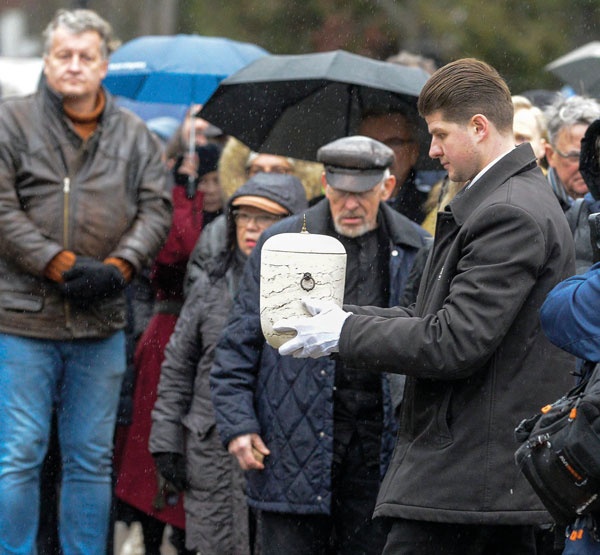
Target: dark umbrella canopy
column 292, row 105
column 580, row 68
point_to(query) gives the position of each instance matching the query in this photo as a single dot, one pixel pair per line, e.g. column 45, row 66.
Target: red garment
column 137, row 478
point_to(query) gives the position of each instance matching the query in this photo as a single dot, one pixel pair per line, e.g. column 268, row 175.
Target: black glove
column 90, row 279
column 172, row 468
column 589, row 160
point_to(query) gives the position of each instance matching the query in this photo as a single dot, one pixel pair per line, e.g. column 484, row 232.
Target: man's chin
column 351, row 230
column 73, row 92
column 579, row 191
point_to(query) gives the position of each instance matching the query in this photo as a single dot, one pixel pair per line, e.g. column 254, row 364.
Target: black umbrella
column 292, row 105
column 580, row 68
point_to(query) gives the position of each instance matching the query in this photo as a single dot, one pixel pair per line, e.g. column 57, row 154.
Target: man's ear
column 323, row 184
column 104, row 68
column 549, row 151
column 480, row 125
column 387, row 187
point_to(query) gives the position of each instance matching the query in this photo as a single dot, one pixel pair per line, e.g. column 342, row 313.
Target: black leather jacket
column 101, row 197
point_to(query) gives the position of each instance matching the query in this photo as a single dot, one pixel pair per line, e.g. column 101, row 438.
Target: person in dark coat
column 476, row 359
column 137, row 486
column 183, row 438
column 313, row 436
column 83, row 208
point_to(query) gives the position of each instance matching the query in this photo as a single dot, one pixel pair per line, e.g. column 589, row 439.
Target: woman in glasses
column 183, row 440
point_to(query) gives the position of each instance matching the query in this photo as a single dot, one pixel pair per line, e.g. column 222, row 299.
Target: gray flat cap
column 264, row 189
column 355, row 164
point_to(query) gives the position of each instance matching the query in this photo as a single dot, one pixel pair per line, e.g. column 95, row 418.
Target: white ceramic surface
column 295, row 266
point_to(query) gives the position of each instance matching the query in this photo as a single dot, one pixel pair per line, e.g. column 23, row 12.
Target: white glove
column 318, row 335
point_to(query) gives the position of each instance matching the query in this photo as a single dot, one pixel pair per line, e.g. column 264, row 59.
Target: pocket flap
column 21, row 302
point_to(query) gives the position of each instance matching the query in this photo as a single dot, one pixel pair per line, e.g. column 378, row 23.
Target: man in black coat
column 315, row 436
column 476, row 359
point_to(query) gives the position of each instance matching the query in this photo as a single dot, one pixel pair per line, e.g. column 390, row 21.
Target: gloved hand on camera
column 318, row 335
column 91, row 279
column 171, row 467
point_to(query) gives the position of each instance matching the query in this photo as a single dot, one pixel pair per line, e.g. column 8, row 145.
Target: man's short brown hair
column 467, row 87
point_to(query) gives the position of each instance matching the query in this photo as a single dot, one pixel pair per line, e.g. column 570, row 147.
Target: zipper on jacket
column 66, row 193
column 66, row 201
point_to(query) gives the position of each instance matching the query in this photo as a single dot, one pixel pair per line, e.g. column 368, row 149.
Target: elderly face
column 394, row 131
column 250, row 222
column 354, row 214
column 269, row 163
column 74, row 66
column 563, row 156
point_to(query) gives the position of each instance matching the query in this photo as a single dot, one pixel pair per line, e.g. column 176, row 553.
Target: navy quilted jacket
column 289, row 401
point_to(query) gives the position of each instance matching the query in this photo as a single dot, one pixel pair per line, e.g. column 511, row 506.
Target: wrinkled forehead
column 64, row 37
column 571, row 135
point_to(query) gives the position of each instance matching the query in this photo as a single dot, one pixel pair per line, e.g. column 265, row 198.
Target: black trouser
column 411, row 537
column 349, row 530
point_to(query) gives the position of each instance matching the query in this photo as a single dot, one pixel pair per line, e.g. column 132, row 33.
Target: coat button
column 394, row 252
column 321, row 434
column 323, row 372
column 319, row 498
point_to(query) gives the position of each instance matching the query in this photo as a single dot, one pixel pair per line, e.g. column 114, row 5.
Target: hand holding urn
column 294, row 267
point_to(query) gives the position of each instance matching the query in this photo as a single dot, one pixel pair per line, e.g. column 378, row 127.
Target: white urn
column 295, row 266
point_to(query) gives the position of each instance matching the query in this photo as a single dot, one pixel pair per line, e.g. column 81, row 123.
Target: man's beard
column 354, row 230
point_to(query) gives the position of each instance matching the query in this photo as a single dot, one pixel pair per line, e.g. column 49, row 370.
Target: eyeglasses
column 253, row 170
column 261, row 220
column 572, row 156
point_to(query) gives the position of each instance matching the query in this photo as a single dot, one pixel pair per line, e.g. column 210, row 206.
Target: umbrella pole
column 190, row 190
column 192, row 137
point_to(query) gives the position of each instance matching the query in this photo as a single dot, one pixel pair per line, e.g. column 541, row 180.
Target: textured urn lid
column 304, row 242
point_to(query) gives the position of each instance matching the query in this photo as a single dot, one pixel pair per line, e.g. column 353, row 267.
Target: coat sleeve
column 148, row 177
column 382, row 312
column 570, row 316
column 22, row 240
column 237, row 359
column 498, row 265
column 177, row 374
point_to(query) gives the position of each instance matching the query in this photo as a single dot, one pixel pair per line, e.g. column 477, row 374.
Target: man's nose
column 74, row 62
column 434, row 150
column 351, row 202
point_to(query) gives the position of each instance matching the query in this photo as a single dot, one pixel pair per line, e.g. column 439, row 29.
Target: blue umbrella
column 151, row 110
column 179, row 69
